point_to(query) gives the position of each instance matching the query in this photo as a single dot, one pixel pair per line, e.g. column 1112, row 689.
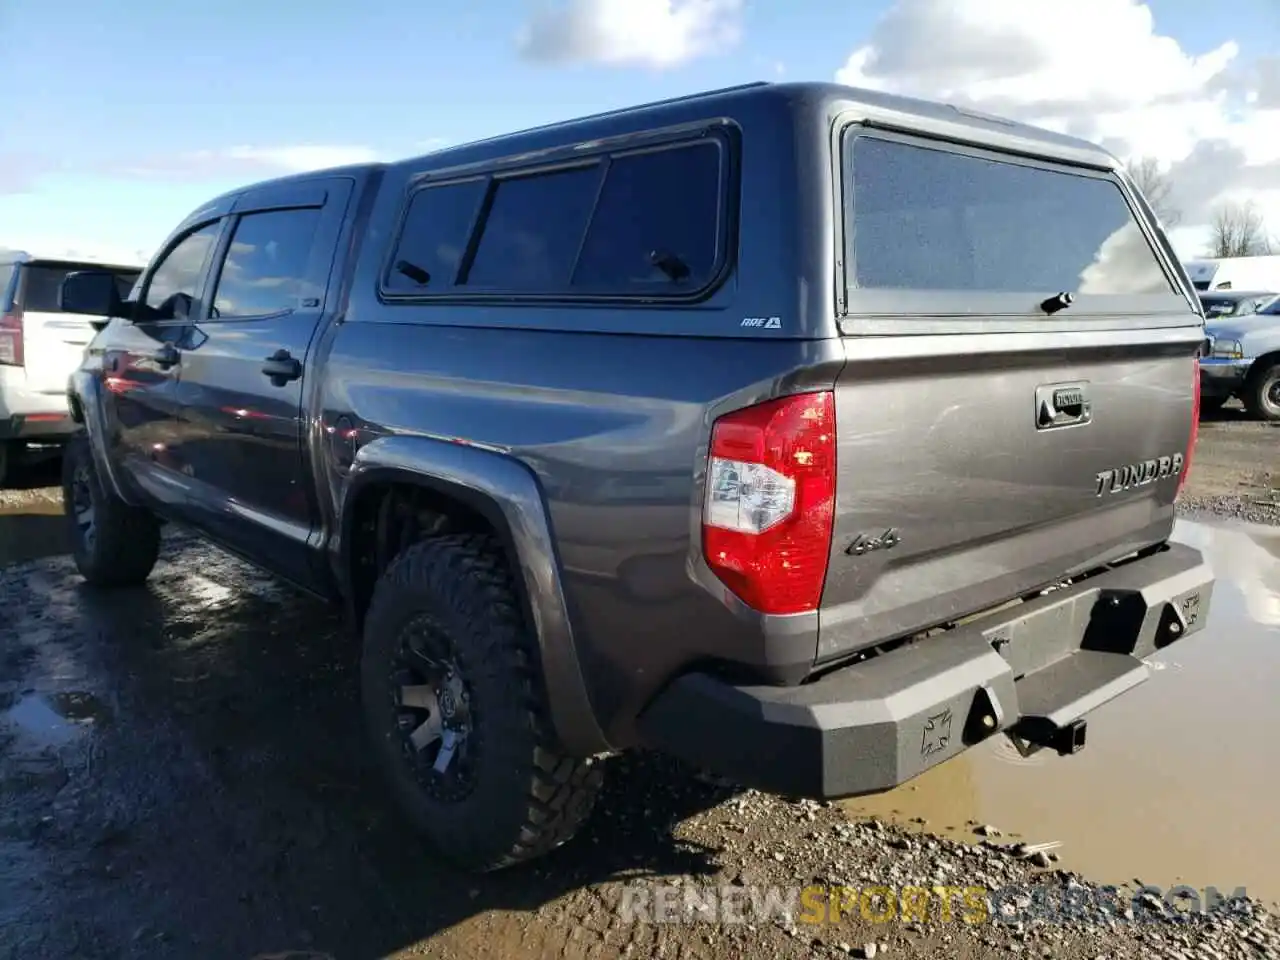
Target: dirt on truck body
column 804, row 433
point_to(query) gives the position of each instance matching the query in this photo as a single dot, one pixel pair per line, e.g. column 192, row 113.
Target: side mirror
column 94, row 293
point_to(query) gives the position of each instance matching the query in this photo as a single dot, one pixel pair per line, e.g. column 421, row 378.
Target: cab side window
column 171, row 290
column 265, row 269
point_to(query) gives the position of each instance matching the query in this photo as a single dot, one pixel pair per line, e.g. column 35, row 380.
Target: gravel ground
column 763, row 842
column 200, row 788
column 1235, row 471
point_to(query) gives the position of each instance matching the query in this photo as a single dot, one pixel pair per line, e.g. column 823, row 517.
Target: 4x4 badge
column 865, row 543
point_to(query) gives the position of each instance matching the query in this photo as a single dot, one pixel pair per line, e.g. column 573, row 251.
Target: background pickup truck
column 807, row 434
column 1243, row 358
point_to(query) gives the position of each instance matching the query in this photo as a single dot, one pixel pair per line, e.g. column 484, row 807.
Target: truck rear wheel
column 113, row 544
column 454, row 703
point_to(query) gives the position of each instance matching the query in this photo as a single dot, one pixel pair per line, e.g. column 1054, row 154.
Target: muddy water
column 31, row 524
column 1180, row 778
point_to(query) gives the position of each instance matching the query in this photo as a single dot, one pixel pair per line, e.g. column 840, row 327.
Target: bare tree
column 1156, row 187
column 1238, row 230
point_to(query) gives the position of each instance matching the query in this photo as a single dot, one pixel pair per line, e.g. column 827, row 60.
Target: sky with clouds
column 122, row 118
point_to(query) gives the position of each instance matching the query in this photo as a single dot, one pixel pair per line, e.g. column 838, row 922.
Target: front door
column 142, row 364
column 241, row 440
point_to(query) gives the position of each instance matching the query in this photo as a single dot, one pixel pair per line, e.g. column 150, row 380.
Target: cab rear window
column 931, row 219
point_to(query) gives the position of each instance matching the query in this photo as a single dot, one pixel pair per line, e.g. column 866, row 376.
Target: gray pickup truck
column 806, row 434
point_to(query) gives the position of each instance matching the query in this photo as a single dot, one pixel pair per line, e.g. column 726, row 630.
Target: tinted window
column 1217, row 306
column 664, row 203
column 180, row 272
column 266, row 263
column 534, row 228
column 6, row 281
column 926, row 219
column 436, row 229
column 1271, row 308
column 42, row 282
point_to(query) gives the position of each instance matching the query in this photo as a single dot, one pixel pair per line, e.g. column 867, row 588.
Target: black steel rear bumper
column 1033, row 671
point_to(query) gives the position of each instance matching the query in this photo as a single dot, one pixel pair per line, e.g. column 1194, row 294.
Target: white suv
column 40, row 346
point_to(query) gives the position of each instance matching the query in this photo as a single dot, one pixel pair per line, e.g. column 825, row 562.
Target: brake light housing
column 1195, row 424
column 770, row 501
column 11, row 346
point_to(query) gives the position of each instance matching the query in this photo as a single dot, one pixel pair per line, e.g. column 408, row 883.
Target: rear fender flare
column 505, row 492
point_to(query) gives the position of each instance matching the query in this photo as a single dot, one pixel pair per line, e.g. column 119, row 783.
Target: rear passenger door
column 245, row 374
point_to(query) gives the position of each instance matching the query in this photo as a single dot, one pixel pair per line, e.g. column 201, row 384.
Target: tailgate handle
column 1062, row 405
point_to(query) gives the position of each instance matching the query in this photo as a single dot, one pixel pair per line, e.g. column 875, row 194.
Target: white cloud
column 19, row 172
column 1098, row 69
column 298, row 159
column 651, row 33
column 75, row 231
column 75, row 248
column 249, row 161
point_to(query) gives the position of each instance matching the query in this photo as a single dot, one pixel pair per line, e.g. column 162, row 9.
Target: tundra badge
column 1133, row 475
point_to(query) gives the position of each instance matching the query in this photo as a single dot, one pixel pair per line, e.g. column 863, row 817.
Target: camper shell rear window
column 972, row 230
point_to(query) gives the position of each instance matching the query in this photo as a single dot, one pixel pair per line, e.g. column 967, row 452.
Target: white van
column 1236, row 273
column 40, row 346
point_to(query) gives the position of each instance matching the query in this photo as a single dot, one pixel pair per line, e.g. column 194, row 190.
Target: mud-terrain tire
column 113, row 544
column 508, row 793
column 1262, row 393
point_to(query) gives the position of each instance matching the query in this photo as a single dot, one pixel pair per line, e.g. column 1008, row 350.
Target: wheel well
column 388, row 517
column 1262, row 363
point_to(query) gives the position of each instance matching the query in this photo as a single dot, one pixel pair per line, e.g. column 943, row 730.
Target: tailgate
column 992, row 441
column 54, row 340
column 985, row 494
column 54, row 347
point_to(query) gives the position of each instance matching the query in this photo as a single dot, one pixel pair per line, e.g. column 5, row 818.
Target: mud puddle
column 1179, row 781
column 31, row 525
column 51, row 720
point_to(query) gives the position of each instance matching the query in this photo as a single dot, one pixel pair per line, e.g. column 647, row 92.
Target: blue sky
column 129, row 115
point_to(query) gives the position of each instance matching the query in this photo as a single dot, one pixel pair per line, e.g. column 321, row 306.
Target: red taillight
column 1195, row 424
column 11, row 339
column 771, row 488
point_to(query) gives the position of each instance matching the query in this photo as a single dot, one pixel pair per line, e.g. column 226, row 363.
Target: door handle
column 166, row 357
column 1063, row 405
column 280, row 368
